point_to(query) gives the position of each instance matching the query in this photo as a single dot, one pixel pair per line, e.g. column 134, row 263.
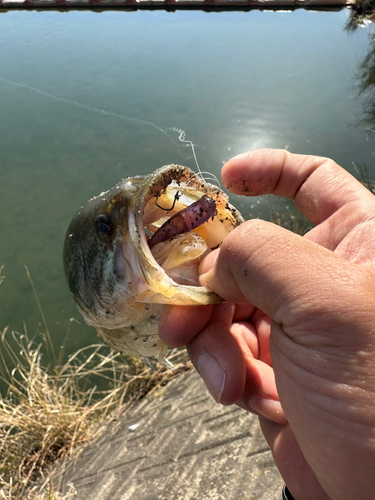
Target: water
column 87, row 98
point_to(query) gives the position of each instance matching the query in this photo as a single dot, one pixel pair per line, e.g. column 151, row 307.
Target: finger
column 225, row 360
column 247, row 338
column 260, row 394
column 318, row 185
column 179, row 324
column 254, row 334
column 218, row 359
column 262, row 324
column 243, row 312
column 281, row 273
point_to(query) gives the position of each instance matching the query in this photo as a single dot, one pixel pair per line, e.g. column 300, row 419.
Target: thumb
column 283, row 274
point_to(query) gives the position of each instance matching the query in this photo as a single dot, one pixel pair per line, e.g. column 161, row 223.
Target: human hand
column 301, row 312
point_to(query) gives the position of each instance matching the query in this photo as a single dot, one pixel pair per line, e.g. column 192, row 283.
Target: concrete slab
column 179, row 446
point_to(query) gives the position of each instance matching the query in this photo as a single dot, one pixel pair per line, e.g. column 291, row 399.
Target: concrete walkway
column 179, row 446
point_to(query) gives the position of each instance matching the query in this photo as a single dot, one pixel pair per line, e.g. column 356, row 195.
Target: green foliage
column 361, row 12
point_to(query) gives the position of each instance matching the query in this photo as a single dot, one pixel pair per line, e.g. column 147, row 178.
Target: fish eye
column 104, row 225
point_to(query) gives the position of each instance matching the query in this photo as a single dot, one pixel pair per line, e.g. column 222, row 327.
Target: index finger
column 318, row 186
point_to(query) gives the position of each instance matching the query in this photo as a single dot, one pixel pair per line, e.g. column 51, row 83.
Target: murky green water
column 79, row 91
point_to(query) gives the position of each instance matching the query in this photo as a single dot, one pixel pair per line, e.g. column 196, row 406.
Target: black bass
column 137, row 247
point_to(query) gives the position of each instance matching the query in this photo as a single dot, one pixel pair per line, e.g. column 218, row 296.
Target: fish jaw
column 159, row 287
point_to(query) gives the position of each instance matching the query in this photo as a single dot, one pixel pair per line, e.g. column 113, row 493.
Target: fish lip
column 166, row 290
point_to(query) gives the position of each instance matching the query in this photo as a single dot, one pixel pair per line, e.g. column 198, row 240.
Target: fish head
column 103, row 281
column 115, row 277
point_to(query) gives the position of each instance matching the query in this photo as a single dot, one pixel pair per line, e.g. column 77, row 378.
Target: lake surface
column 89, row 98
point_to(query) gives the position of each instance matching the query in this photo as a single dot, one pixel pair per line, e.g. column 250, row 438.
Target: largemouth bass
column 137, row 247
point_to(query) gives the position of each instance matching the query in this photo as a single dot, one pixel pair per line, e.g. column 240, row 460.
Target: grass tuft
column 47, row 411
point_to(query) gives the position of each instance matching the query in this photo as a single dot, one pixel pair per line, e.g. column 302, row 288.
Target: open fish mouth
column 186, row 218
column 138, row 246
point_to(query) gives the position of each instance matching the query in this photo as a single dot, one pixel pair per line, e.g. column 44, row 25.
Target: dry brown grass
column 47, row 411
column 43, row 492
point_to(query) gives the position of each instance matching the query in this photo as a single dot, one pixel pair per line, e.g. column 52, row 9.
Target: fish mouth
column 162, row 243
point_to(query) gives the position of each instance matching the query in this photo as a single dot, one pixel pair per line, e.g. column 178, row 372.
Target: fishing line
column 181, row 133
column 210, row 176
column 182, row 138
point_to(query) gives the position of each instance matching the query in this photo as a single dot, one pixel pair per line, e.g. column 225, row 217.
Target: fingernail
column 269, row 408
column 212, row 374
column 208, row 262
column 204, row 279
column 206, row 267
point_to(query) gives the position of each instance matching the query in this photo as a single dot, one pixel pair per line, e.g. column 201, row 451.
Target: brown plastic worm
column 186, row 220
